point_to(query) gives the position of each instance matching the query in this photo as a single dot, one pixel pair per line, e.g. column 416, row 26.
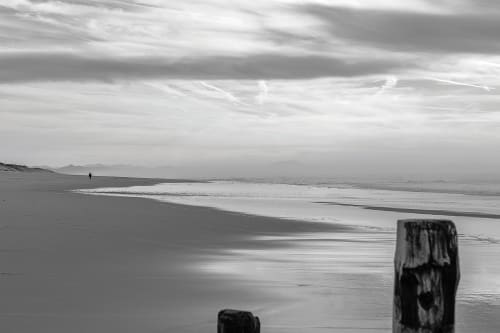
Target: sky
column 253, row 88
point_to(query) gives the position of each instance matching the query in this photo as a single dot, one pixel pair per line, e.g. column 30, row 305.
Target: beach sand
column 71, row 262
column 77, row 263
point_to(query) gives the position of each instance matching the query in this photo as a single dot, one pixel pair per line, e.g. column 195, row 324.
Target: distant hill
column 117, row 170
column 20, row 168
column 83, row 169
column 242, row 169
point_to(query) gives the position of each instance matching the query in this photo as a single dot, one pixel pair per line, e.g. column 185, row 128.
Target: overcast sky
column 338, row 86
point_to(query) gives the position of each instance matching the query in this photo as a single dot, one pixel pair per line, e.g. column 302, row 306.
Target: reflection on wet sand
column 333, row 279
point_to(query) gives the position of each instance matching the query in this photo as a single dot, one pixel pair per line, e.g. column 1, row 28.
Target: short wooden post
column 236, row 321
column 426, row 276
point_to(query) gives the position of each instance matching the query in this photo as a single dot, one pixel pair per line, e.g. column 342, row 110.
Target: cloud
column 390, row 82
column 63, row 6
column 263, row 92
column 279, row 78
column 26, row 29
column 452, row 82
column 165, row 88
column 29, row 67
column 226, row 94
column 412, row 31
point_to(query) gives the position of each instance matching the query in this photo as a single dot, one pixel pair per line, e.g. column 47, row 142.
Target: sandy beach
column 77, row 263
column 71, row 262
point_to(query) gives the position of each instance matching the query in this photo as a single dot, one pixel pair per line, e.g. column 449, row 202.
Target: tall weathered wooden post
column 236, row 321
column 426, row 276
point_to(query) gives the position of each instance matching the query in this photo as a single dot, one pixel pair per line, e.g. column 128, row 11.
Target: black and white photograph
column 248, row 166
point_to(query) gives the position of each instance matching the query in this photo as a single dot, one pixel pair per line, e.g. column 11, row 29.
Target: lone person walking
column 90, row 175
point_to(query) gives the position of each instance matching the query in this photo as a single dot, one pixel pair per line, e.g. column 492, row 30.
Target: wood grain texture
column 426, row 276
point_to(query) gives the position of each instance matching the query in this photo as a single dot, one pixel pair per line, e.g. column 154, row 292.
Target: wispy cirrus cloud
column 225, row 94
column 263, row 92
column 465, row 84
column 284, row 79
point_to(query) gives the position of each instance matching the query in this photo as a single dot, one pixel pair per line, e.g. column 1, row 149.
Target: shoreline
column 95, row 263
column 80, row 263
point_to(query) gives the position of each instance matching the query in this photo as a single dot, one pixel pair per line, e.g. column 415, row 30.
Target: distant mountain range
column 20, row 168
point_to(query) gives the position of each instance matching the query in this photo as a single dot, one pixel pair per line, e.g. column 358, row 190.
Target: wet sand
column 77, row 263
column 418, row 211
